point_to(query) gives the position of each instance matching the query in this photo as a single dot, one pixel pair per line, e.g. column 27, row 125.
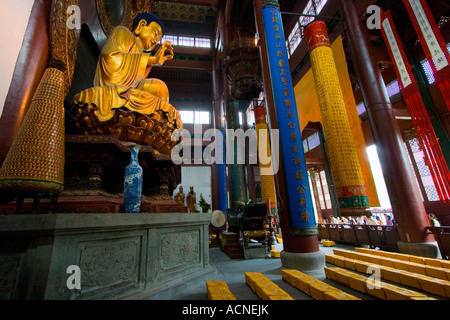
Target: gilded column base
column 24, row 185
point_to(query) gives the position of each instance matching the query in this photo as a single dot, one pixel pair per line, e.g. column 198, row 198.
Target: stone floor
column 232, row 272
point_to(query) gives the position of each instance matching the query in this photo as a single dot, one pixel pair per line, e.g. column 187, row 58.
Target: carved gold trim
column 131, row 10
column 63, row 41
column 107, row 26
column 184, row 12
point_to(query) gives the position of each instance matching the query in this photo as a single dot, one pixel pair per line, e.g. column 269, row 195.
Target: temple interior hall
column 225, row 150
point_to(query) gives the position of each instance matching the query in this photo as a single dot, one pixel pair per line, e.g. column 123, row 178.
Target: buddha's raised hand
column 164, row 53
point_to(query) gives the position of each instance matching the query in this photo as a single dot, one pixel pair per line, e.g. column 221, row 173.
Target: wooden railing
column 442, row 236
column 384, row 237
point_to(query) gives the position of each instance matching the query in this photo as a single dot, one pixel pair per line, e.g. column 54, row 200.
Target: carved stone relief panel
column 179, row 249
column 109, row 262
column 9, row 268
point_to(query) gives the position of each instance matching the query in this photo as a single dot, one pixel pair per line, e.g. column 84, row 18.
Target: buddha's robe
column 121, row 80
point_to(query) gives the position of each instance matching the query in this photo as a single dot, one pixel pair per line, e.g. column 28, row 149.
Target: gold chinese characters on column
column 344, row 161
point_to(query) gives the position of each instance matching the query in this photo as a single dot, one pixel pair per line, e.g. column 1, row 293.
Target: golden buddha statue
column 191, row 200
column 179, row 197
column 121, row 76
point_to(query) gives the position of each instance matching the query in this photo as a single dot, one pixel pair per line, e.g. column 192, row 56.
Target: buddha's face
column 148, row 34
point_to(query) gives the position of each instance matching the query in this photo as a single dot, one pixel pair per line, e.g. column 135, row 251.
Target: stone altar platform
column 130, row 256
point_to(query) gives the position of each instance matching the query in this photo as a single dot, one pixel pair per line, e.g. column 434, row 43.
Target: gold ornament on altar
column 191, row 200
column 179, row 197
column 123, row 102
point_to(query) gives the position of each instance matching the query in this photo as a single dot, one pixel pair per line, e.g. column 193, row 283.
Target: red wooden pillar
column 404, row 195
column 30, row 67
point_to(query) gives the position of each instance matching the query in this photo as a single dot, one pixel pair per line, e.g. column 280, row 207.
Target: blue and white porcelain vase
column 133, row 183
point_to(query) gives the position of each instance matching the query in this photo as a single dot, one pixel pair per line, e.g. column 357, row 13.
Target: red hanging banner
column 432, row 43
column 422, row 124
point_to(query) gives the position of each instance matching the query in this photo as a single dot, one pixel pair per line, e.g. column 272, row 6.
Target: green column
column 237, row 171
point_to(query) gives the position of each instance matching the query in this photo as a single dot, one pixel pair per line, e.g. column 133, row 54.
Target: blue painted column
column 299, row 194
column 299, row 228
column 222, row 175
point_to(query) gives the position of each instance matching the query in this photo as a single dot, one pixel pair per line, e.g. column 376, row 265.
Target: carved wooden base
column 162, row 206
column 98, row 202
column 121, row 256
column 155, row 130
column 94, row 180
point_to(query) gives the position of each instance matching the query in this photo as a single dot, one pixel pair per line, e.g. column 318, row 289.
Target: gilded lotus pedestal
column 150, row 130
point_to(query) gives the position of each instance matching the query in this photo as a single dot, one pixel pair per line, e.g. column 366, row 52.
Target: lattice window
column 320, row 4
column 294, row 38
column 428, row 71
column 361, row 108
column 431, row 193
column 202, row 117
column 187, row 116
column 320, row 192
column 296, row 35
column 423, row 169
column 197, row 117
column 305, row 145
column 186, row 41
column 203, row 42
column 309, row 9
column 393, row 88
column 313, row 141
column 172, row 38
column 427, row 68
column 415, row 145
column 326, row 191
